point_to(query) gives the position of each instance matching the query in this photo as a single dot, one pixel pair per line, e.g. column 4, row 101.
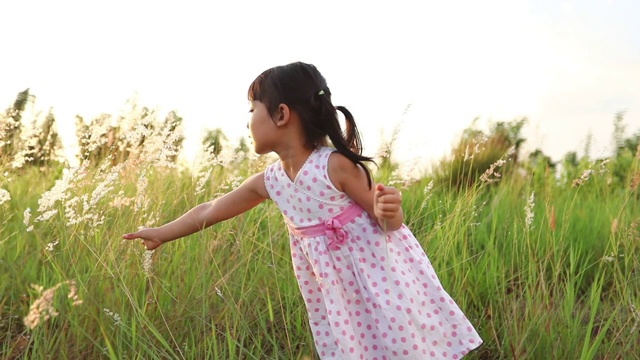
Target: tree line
column 29, row 138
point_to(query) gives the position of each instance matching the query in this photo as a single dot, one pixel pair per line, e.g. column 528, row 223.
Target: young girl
column 368, row 287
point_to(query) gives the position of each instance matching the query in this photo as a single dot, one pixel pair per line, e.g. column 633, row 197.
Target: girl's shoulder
column 325, row 151
column 336, row 160
column 340, row 169
column 322, row 156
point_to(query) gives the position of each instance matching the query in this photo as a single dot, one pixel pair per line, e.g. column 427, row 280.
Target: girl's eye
column 250, row 110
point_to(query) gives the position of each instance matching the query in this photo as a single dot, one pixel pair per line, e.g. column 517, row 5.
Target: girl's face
column 262, row 127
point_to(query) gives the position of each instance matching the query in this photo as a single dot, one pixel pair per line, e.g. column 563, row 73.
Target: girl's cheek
column 250, row 122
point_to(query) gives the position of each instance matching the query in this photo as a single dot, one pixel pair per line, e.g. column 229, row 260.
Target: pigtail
column 349, row 143
column 352, row 136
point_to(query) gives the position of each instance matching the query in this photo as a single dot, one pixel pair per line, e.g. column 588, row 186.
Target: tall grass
column 542, row 271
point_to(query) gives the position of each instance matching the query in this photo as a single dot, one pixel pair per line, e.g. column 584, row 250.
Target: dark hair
column 304, row 90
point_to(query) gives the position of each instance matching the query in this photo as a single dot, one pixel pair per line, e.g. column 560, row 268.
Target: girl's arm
column 251, row 193
column 383, row 203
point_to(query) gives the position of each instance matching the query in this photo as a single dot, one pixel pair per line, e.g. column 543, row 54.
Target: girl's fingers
column 131, row 236
column 382, row 190
column 389, row 199
column 389, row 206
column 388, row 209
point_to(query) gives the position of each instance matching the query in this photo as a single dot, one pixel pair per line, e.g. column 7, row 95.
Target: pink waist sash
column 332, row 228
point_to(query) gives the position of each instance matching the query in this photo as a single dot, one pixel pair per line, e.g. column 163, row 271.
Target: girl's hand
column 148, row 236
column 387, row 202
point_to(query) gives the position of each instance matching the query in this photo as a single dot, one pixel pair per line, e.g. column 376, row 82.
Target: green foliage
column 541, row 168
column 478, row 151
column 214, row 140
column 626, row 150
column 386, row 167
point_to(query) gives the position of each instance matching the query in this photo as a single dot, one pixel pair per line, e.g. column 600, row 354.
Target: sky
column 425, row 69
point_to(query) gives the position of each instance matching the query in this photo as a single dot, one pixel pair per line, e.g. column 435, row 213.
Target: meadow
column 544, row 265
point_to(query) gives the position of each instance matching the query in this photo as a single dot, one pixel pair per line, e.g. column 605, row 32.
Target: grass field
column 543, row 269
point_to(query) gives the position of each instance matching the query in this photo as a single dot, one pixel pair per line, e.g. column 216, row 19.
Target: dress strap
column 332, row 228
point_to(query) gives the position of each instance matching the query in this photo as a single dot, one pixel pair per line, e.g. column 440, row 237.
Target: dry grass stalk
column 583, row 178
column 42, row 309
column 635, row 180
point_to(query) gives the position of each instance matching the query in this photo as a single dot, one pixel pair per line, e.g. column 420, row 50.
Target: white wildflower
column 147, row 262
column 476, row 213
column 117, row 320
column 611, row 257
column 97, row 134
column 586, row 174
column 51, row 245
column 603, row 166
column 70, row 212
column 229, row 184
column 227, row 156
column 120, row 201
column 160, row 147
column 491, row 175
column 152, row 218
column 396, row 177
column 583, row 178
column 428, row 188
column 383, row 152
column 141, row 131
column 141, row 190
column 29, row 137
column 27, row 219
column 59, row 192
column 4, row 196
column 467, row 156
column 528, row 209
column 219, row 293
column 477, row 149
column 18, row 161
column 202, row 180
column 104, row 187
column 42, row 308
column 204, row 162
column 427, row 194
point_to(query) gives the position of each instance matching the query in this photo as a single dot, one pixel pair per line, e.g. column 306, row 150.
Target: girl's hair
column 304, row 90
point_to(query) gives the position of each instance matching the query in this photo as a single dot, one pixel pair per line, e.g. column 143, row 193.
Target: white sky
column 568, row 66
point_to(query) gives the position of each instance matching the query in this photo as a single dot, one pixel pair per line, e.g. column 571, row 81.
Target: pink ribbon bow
column 335, row 234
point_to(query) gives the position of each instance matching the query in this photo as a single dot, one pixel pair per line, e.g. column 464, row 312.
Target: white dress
column 369, row 294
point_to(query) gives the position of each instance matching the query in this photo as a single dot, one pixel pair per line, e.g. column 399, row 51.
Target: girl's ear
column 282, row 115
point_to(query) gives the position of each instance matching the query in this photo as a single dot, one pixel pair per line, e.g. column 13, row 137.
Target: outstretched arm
column 251, row 193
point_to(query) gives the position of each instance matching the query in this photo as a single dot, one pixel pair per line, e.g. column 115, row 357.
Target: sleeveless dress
column 369, row 294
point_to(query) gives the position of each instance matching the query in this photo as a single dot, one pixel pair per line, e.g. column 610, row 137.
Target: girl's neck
column 293, row 159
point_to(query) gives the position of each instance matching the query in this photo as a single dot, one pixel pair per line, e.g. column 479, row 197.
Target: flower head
column 4, row 196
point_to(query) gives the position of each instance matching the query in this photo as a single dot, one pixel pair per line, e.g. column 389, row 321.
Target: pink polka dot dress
column 369, row 294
